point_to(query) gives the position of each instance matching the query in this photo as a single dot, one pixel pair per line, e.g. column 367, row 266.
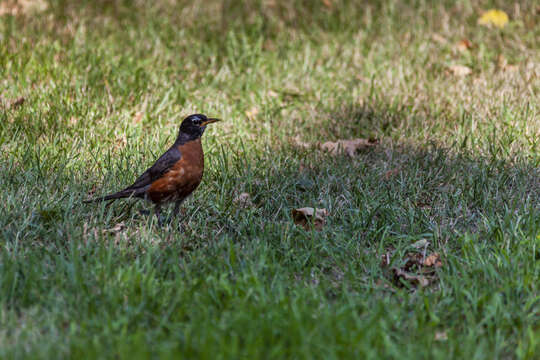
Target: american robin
column 176, row 174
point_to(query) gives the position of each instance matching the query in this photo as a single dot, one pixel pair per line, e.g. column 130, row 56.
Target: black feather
column 140, row 186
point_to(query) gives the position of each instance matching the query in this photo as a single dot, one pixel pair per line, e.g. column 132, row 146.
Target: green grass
column 106, row 85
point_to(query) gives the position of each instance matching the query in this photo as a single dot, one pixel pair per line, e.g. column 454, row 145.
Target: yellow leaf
column 494, row 17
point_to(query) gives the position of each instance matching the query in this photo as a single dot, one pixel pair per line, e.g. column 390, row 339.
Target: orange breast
column 183, row 177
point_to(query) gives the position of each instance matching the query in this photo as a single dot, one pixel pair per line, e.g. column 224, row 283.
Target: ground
column 93, row 92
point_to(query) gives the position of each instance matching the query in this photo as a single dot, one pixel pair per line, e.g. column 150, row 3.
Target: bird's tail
column 119, row 195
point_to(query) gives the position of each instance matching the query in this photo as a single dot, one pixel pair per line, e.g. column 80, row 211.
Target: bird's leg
column 176, row 210
column 157, row 211
column 177, row 207
column 144, row 212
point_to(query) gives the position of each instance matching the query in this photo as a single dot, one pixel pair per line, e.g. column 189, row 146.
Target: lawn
column 92, row 92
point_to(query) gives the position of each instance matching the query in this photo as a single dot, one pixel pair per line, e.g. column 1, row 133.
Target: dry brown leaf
column 303, row 217
column 416, row 269
column 301, row 143
column 350, row 147
column 463, row 45
column 459, row 70
column 412, row 278
column 22, row 7
column 243, row 200
column 511, row 68
column 139, row 114
column 439, row 39
column 138, row 117
column 17, row 103
column 269, row 45
column 385, row 258
column 92, row 190
column 503, row 65
column 391, row 173
column 433, row 260
column 116, row 228
column 361, row 79
column 327, row 3
column 501, row 61
column 384, row 284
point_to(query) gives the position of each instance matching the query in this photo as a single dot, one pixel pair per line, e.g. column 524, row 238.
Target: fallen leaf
column 420, row 244
column 433, row 260
column 272, row 94
column 361, row 79
column 463, row 45
column 391, row 173
column 413, row 262
column 441, row 336
column 511, row 68
column 459, row 70
column 139, row 114
column 22, row 7
column 303, row 217
column 92, row 190
column 385, row 258
column 17, row 103
column 501, row 61
column 503, row 65
column 327, row 3
column 252, row 112
column 269, row 45
column 494, row 17
column 301, row 143
column 116, row 228
column 138, row 117
column 243, row 200
column 439, row 39
column 383, row 283
column 414, row 268
column 413, row 278
column 120, row 141
column 350, row 147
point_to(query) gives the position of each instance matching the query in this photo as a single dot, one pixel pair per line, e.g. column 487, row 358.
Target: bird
column 175, row 174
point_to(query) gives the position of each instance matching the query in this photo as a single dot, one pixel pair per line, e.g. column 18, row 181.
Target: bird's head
column 194, row 125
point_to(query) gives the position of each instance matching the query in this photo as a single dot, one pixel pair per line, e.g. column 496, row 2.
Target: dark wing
column 160, row 167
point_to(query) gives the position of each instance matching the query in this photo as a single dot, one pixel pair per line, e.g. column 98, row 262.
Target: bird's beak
column 209, row 121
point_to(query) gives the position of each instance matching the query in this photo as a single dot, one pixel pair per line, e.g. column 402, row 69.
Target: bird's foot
column 162, row 220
